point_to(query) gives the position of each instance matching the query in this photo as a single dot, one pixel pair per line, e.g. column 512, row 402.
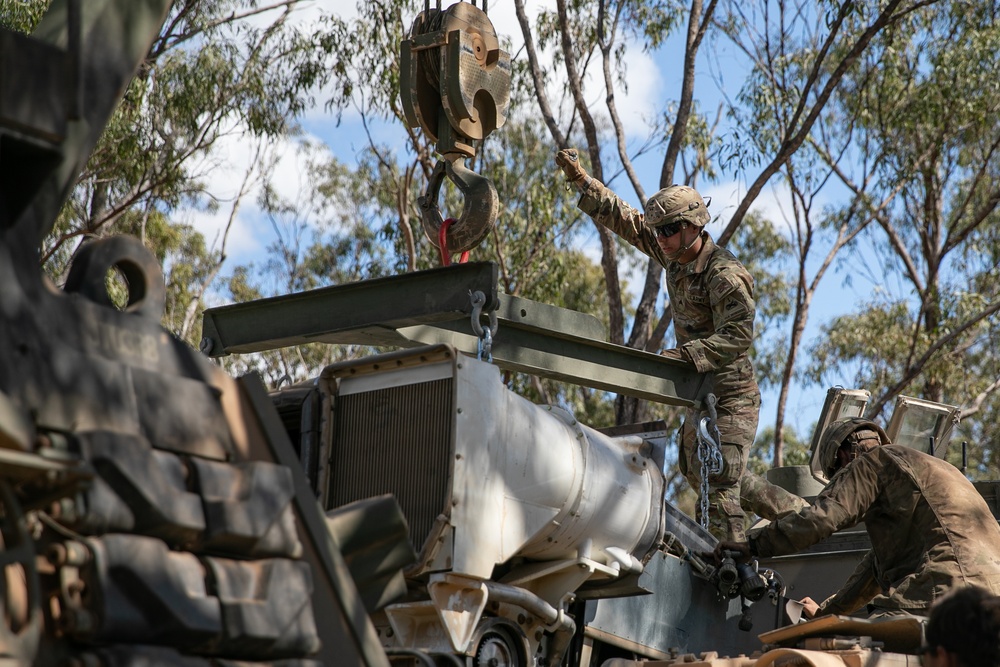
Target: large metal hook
column 479, row 212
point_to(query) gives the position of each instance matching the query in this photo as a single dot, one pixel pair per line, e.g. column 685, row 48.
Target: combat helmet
column 857, row 430
column 676, row 203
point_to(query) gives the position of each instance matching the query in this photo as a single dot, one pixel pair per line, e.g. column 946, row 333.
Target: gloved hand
column 676, row 354
column 569, row 160
column 739, row 550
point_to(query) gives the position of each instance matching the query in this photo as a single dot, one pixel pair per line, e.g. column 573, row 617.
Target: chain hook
column 485, row 335
column 709, row 454
column 485, row 348
column 479, row 211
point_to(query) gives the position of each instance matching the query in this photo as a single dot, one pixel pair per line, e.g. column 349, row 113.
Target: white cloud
column 636, row 106
column 773, row 203
column 223, row 175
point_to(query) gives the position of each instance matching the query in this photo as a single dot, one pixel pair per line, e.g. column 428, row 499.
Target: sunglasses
column 669, row 229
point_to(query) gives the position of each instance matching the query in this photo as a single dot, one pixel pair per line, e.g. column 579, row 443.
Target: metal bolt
column 57, row 554
column 79, row 620
column 77, row 553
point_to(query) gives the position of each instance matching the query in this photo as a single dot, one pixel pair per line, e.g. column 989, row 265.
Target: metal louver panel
column 395, row 440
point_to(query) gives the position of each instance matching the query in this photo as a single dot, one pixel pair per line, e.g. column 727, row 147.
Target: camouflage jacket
column 928, row 525
column 711, row 297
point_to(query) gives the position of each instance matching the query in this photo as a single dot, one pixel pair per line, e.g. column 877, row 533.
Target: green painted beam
column 576, row 360
column 434, row 306
column 362, row 313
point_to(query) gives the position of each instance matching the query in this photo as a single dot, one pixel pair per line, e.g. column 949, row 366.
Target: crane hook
column 479, row 212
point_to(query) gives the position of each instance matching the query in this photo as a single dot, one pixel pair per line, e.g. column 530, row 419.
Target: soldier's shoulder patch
column 725, row 282
column 726, row 274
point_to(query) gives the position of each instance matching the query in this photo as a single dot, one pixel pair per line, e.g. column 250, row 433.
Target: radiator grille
column 395, row 440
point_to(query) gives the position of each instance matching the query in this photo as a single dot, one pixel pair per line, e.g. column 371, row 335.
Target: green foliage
column 209, row 77
column 796, row 450
column 536, row 235
column 358, row 62
column 925, row 103
column 875, row 339
column 656, row 20
column 878, row 343
column 22, row 15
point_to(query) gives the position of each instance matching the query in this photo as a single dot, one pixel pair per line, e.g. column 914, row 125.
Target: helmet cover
column 862, row 434
column 675, row 204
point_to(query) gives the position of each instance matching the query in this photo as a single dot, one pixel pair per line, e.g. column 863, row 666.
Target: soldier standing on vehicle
column 711, row 297
column 930, row 529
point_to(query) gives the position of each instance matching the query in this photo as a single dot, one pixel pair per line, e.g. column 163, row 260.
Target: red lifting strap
column 443, row 244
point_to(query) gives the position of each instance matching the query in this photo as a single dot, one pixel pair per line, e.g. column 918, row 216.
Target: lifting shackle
column 455, row 86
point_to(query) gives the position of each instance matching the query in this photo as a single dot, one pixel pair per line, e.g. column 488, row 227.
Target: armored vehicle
column 539, row 540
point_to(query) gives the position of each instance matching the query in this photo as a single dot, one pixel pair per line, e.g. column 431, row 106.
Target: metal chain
column 485, row 346
column 709, row 454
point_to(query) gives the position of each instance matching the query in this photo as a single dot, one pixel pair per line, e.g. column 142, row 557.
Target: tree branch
column 696, row 32
column 916, row 367
column 537, row 78
column 792, row 143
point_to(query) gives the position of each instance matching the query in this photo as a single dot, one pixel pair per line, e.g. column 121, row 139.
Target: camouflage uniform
column 930, row 530
column 767, row 500
column 713, row 309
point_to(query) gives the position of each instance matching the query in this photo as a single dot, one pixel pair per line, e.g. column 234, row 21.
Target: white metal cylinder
column 531, row 481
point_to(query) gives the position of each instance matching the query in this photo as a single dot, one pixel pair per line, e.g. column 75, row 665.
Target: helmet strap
column 854, row 449
column 674, row 256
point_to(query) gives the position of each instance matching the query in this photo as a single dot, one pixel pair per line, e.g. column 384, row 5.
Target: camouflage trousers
column 735, row 489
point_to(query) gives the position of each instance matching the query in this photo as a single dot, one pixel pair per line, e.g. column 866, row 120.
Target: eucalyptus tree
column 320, row 237
column 927, row 123
column 782, row 46
column 218, row 71
column 818, row 43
